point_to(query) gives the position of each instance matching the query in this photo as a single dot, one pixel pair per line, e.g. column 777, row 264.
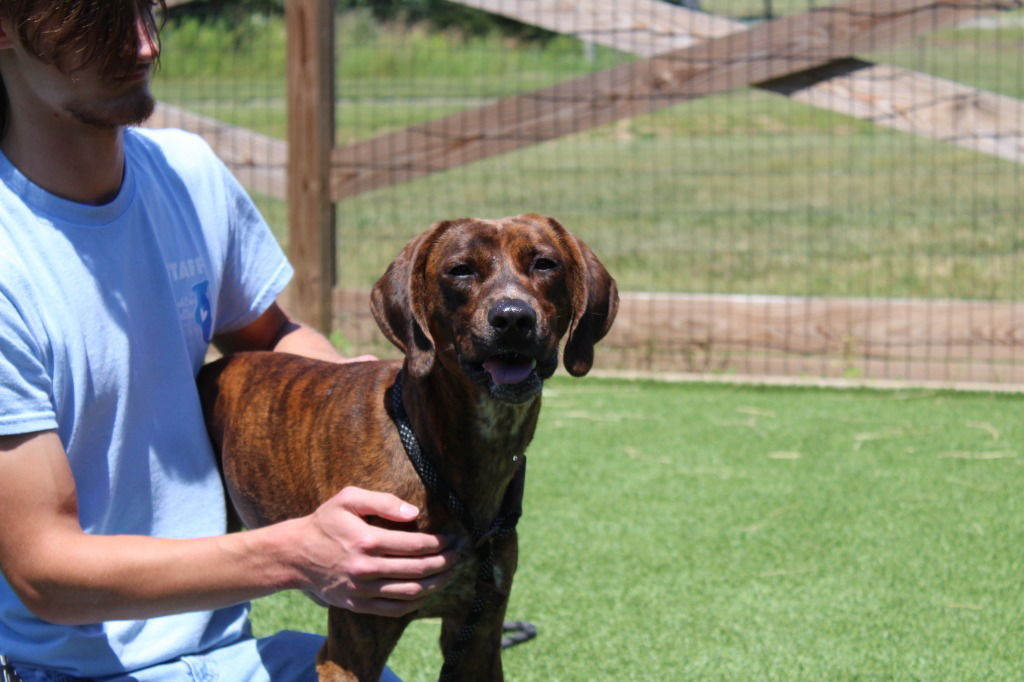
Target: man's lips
column 140, row 73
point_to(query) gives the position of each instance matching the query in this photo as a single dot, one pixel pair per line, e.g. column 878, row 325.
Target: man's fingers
column 397, row 543
column 381, row 579
column 382, row 541
column 371, row 503
column 390, row 608
column 360, row 358
column 393, row 597
column 404, row 590
column 384, row 572
column 398, row 568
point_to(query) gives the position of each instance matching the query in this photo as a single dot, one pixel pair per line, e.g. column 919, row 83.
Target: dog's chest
column 504, row 428
column 463, row 588
column 496, row 438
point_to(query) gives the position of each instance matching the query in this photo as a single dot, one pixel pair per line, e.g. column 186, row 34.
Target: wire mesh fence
column 782, row 202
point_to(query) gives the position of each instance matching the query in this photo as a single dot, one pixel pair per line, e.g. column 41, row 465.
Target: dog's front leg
column 480, row 659
column 357, row 646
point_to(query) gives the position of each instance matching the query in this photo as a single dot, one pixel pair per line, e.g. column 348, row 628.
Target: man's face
column 85, row 94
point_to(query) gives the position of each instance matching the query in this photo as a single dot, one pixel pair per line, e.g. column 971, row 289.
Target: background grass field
column 683, row 532
column 744, row 192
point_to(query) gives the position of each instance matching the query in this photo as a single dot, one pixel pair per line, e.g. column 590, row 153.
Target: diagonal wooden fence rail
column 780, row 50
column 888, row 96
column 898, row 98
column 685, row 55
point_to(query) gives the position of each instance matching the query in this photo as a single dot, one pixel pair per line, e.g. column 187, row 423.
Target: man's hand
column 350, row 563
column 360, row 358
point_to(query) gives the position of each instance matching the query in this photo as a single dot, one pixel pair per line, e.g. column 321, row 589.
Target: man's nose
column 149, row 46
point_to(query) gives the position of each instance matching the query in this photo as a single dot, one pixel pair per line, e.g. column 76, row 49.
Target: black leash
column 483, row 537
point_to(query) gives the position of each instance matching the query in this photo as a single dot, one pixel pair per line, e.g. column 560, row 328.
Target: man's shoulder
column 171, row 143
column 159, row 154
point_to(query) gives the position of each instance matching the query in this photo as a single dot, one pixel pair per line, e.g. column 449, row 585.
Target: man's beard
column 128, row 109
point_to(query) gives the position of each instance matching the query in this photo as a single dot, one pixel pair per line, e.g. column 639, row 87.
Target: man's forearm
column 303, row 340
column 67, row 576
column 276, row 330
column 95, row 578
column 333, row 553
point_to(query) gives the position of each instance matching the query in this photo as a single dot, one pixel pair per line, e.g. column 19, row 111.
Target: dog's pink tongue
column 509, row 371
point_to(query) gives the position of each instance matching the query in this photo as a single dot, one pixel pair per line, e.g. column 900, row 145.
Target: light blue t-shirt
column 106, row 314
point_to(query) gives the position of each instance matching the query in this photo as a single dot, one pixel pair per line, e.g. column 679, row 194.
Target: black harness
column 484, row 537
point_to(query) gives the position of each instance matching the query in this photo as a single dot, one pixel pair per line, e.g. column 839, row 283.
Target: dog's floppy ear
column 398, row 305
column 595, row 304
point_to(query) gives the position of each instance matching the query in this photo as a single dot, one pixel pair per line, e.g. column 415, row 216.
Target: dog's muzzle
column 512, row 361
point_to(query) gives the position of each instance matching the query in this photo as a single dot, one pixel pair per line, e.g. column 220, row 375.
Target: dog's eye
column 545, row 264
column 460, row 270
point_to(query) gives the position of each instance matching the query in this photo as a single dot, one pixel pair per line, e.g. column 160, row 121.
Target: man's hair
column 71, row 34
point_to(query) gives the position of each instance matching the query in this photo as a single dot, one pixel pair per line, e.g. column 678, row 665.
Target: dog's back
column 292, row 431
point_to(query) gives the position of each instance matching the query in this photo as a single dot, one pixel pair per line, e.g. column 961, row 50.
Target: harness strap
column 511, row 506
column 503, row 525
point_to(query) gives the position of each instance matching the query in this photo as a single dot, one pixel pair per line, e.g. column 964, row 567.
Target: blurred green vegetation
column 744, row 192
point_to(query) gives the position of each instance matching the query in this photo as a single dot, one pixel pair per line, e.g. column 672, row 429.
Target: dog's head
column 493, row 298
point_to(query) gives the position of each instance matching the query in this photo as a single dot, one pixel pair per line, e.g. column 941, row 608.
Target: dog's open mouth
column 511, row 377
column 509, row 368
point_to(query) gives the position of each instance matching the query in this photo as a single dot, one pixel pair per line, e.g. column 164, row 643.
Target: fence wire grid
column 857, row 218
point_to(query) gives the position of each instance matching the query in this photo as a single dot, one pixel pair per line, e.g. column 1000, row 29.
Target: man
column 123, row 254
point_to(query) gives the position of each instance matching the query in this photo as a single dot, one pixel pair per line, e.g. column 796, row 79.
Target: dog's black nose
column 511, row 316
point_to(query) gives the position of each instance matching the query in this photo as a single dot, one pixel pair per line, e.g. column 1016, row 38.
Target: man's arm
column 275, row 330
column 67, row 576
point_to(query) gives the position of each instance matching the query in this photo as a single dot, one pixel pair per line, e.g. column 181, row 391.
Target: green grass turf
column 678, row 532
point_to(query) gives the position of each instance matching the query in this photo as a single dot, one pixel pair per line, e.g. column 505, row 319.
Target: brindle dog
column 479, row 308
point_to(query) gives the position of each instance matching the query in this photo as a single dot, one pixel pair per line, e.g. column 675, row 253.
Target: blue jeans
column 284, row 657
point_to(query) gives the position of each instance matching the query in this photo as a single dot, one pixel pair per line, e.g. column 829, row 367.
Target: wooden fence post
column 311, row 233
